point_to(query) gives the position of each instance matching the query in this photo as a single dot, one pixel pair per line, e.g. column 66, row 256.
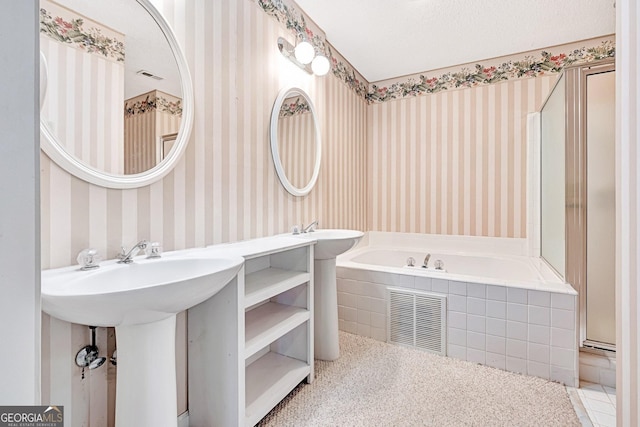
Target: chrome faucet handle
column 153, row 250
column 89, row 259
column 295, row 229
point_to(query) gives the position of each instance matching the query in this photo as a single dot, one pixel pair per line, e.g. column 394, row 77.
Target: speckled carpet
column 377, row 384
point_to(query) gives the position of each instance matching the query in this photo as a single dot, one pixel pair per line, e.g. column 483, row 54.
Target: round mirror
column 295, row 141
column 118, row 107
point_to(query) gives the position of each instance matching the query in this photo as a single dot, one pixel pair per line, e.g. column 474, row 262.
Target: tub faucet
column 127, row 258
column 426, row 261
column 311, row 227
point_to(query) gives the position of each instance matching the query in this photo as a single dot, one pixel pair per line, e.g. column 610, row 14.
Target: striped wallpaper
column 223, row 189
column 452, row 162
column 87, row 117
column 296, row 146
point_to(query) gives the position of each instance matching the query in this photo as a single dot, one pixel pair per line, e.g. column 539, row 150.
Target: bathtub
column 466, row 259
column 504, row 309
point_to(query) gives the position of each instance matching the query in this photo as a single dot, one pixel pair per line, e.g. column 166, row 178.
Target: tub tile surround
column 517, row 329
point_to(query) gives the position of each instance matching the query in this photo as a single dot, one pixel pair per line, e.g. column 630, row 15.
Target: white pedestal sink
column 330, row 244
column 141, row 300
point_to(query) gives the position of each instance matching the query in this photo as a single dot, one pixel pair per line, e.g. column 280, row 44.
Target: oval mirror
column 295, row 141
column 118, row 108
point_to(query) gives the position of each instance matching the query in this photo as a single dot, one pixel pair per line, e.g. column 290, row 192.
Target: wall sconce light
column 304, row 56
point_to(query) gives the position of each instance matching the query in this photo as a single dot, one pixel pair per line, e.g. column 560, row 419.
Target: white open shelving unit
column 241, row 370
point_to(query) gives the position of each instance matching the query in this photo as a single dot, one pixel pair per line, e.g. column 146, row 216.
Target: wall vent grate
column 417, row 319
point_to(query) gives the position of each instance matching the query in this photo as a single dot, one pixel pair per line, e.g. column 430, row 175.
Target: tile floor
column 600, row 403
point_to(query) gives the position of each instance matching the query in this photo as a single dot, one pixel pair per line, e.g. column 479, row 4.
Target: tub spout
column 426, row 261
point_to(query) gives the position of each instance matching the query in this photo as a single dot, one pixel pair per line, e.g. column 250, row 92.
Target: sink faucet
column 426, row 261
column 127, row 258
column 311, row 227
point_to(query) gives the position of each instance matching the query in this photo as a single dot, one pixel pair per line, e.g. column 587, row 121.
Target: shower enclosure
column 578, row 219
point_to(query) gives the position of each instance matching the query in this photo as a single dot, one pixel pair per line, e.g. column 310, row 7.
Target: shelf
column 270, row 321
column 268, row 380
column 264, row 284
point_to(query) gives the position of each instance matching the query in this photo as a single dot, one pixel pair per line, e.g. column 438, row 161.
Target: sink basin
column 142, row 292
column 141, row 300
column 332, row 243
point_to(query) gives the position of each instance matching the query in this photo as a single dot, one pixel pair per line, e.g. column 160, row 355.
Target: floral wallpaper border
column 73, row 31
column 292, row 107
column 529, row 66
column 151, row 103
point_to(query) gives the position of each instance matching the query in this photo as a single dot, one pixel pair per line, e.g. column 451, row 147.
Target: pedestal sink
column 141, row 300
column 330, row 244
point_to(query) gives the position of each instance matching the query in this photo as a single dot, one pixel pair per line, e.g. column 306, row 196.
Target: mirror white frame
column 273, row 136
column 75, row 167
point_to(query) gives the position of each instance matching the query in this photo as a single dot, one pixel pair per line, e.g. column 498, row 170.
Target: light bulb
column 320, row 65
column 304, row 52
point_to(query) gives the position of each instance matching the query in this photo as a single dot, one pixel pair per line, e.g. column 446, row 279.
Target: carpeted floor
column 377, row 384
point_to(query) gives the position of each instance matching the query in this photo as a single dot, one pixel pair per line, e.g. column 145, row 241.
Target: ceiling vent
column 417, row 319
column 148, row 74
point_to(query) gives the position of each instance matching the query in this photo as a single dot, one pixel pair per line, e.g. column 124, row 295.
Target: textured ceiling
column 384, row 39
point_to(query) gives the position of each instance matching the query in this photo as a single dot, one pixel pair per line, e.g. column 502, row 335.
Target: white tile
column 476, row 356
column 476, row 340
column 538, row 353
column 457, row 351
column 516, row 365
column 539, row 334
column 379, row 334
column 476, row 306
column 517, row 312
column 517, row 330
column 564, row 376
column 589, row 373
column 563, row 357
column 423, row 283
column 457, row 288
column 563, row 301
column 497, row 327
column 364, row 303
column 363, row 330
column 608, row 377
column 601, row 406
column 496, row 345
column 604, row 420
column 378, row 320
column 476, row 323
column 364, row 317
column 497, row 309
column 350, row 314
column 563, row 338
column 440, row 285
column 477, row 290
column 351, row 327
column 457, row 336
column 457, row 320
column 457, row 303
column 497, row 293
column 517, row 295
column 538, row 369
column 516, row 348
column 539, row 315
column 496, row 360
column 349, row 300
column 378, row 305
column 539, row 298
column 376, row 290
column 565, row 319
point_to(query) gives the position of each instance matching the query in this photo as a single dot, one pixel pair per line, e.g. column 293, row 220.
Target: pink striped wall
column 452, row 162
column 223, row 189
